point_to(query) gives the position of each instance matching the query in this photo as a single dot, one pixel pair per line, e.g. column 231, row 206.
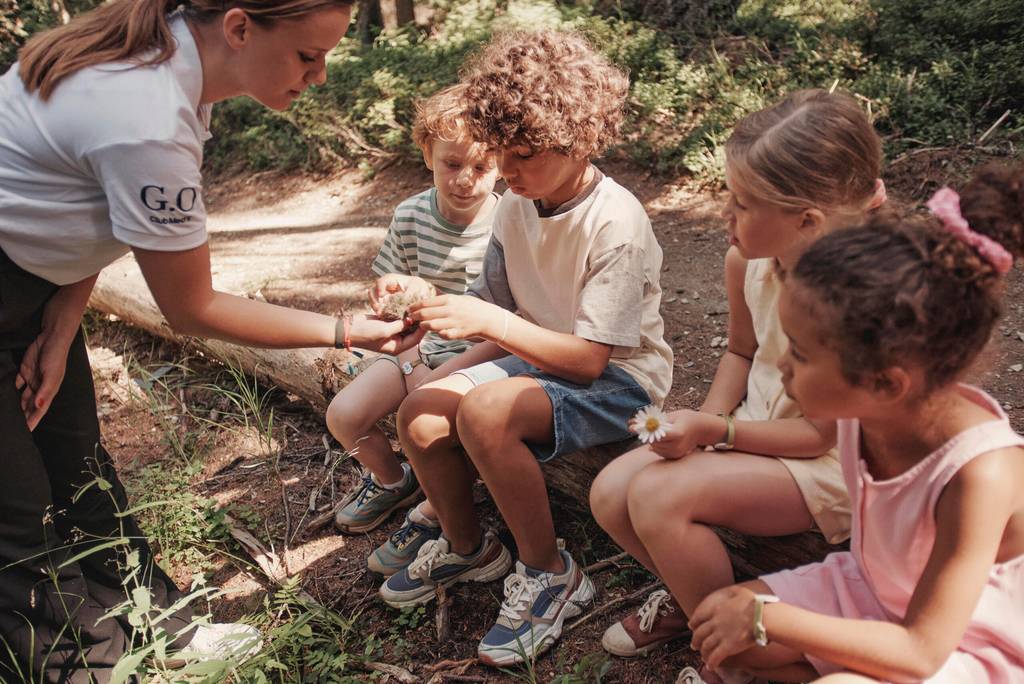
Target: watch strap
column 760, row 634
column 729, row 439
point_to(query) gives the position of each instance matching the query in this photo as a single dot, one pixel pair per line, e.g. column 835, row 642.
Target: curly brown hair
column 906, row 291
column 812, row 149
column 548, row 90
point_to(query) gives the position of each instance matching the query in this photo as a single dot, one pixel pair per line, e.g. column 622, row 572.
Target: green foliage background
column 932, row 74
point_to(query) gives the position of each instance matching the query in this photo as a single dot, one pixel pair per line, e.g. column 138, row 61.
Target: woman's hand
column 723, row 624
column 460, row 317
column 42, row 367
column 393, row 283
column 688, row 431
column 389, row 337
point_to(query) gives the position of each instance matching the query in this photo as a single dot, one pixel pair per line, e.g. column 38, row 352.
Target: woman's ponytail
column 112, row 32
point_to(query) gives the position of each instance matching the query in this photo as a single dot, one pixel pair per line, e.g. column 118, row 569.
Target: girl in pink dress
column 882, row 321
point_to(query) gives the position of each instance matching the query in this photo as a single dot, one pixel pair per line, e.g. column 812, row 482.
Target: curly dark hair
column 907, row 291
column 548, row 90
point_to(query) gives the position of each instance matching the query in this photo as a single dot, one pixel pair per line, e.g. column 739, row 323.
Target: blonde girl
column 883, row 320
column 795, row 171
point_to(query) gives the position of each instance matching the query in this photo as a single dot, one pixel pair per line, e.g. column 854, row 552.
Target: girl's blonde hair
column 124, row 29
column 812, row 149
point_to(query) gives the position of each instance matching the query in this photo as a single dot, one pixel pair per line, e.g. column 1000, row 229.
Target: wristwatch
column 409, row 366
column 729, row 439
column 760, row 635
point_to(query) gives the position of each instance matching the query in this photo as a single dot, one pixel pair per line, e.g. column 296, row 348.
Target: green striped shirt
column 420, row 242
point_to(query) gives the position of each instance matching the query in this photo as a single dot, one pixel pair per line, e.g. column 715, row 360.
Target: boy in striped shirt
column 435, row 245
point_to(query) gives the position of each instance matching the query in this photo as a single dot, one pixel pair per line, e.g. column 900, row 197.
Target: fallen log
column 316, row 375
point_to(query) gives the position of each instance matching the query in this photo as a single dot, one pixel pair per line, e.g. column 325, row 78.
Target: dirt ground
column 265, row 214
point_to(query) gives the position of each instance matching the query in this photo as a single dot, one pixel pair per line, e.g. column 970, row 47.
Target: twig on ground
column 322, row 520
column 914, row 153
column 993, row 127
column 601, row 610
column 327, row 449
column 459, row 666
column 267, row 561
column 451, row 677
column 610, row 562
column 287, row 515
column 442, row 620
column 399, row 673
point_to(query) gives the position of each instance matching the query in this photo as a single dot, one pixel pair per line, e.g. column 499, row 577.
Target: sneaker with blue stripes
column 535, row 608
column 437, row 565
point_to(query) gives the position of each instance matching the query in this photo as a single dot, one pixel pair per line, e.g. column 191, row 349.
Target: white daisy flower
column 650, row 424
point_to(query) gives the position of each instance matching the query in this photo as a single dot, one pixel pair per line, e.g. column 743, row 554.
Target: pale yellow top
column 820, row 479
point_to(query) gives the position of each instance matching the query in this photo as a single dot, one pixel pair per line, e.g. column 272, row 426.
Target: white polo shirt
column 111, row 161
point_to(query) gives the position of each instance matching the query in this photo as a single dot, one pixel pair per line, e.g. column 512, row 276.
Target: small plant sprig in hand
column 650, row 424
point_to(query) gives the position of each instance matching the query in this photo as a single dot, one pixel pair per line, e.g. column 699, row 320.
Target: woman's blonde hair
column 124, row 29
column 812, row 149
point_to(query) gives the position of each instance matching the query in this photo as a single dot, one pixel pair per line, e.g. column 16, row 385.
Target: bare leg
column 353, row 414
column 426, row 428
column 494, row 422
column 486, row 351
column 608, row 501
column 727, row 489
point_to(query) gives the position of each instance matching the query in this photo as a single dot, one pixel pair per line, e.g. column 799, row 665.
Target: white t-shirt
column 111, row 161
column 592, row 271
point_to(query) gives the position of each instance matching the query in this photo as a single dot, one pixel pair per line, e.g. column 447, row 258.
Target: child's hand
column 688, row 431
column 391, row 283
column 723, row 624
column 389, row 337
column 460, row 317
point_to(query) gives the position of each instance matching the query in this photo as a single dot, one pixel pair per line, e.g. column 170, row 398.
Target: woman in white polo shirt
column 102, row 124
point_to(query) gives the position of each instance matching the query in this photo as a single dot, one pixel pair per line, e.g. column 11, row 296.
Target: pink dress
column 893, row 534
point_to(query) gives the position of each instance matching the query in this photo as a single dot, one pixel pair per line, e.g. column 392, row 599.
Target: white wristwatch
column 760, row 635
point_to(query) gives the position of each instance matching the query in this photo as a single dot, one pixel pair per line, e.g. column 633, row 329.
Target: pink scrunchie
column 945, row 205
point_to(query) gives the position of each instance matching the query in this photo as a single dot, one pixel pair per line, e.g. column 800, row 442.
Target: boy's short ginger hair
column 548, row 90
column 442, row 116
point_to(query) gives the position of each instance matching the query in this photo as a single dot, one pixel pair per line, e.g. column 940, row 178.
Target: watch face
column 407, row 368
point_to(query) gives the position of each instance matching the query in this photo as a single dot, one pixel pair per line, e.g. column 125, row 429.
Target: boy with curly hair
column 435, row 244
column 567, row 306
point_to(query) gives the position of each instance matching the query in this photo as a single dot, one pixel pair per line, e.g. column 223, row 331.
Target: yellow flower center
column 652, row 424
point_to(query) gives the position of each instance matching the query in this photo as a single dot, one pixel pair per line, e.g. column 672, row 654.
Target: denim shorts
column 583, row 415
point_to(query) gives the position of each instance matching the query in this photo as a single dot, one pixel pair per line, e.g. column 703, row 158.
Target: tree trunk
column 368, row 18
column 404, row 12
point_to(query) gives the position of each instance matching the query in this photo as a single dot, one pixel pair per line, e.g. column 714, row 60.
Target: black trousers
column 51, row 610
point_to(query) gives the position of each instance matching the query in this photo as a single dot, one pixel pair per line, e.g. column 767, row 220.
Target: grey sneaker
column 535, row 608
column 436, row 564
column 402, row 546
column 370, row 503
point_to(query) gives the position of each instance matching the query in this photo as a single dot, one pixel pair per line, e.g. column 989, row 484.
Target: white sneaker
column 218, row 641
column 689, row 676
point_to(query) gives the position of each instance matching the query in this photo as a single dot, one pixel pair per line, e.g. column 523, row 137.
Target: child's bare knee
column 649, row 501
column 419, row 422
column 608, row 497
column 481, row 416
column 346, row 417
